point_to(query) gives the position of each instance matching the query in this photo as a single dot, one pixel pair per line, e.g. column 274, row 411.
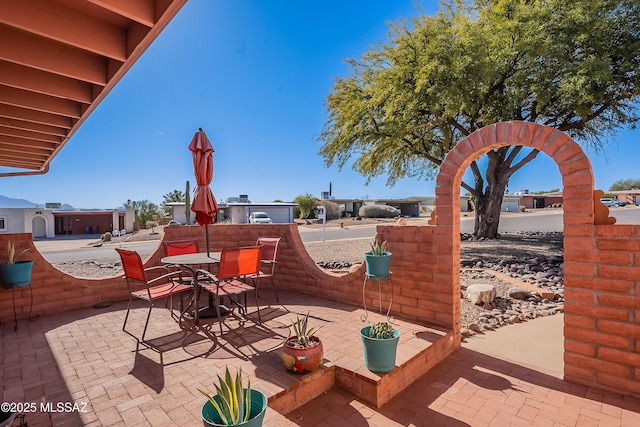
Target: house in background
column 49, row 223
column 237, row 210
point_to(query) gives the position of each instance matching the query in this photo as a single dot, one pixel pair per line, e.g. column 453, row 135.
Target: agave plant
column 303, row 334
column 234, row 406
column 378, row 248
column 11, row 253
column 381, row 331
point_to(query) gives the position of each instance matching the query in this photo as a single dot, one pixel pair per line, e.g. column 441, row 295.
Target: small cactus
column 381, row 331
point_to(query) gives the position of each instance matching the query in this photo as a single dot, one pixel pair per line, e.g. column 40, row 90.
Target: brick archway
column 602, row 301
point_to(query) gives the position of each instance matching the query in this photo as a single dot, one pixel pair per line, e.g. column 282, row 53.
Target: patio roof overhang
column 58, row 60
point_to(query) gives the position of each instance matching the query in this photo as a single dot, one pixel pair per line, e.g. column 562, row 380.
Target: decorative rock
column 479, row 293
column 518, row 293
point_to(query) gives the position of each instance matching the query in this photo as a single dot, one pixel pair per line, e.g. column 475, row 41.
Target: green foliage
column 306, row 205
column 378, row 248
column 625, row 184
column 381, row 331
column 235, row 403
column 568, row 64
column 302, row 332
column 144, row 210
column 174, row 196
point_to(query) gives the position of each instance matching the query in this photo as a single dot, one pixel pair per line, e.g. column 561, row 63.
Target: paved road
column 61, row 250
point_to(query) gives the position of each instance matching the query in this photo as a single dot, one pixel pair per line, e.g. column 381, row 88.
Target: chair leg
column 144, row 331
column 257, row 305
column 127, row 315
column 217, row 303
column 273, row 286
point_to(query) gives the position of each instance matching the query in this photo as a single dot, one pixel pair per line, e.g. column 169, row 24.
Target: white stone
column 480, row 293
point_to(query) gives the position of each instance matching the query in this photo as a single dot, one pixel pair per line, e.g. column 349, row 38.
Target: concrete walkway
column 538, row 343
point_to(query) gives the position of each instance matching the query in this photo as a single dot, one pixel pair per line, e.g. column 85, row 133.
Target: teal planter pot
column 377, row 265
column 16, row 275
column 379, row 355
column 210, row 417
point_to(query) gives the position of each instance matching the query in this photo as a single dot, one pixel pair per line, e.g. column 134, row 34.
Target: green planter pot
column 379, row 355
column 210, row 417
column 377, row 265
column 16, row 275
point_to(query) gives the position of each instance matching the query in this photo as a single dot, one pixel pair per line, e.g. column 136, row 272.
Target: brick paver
column 83, row 357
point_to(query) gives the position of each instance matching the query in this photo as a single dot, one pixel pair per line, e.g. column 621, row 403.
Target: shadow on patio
column 83, row 357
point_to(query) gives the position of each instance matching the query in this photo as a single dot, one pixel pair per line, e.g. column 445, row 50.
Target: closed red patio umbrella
column 204, row 204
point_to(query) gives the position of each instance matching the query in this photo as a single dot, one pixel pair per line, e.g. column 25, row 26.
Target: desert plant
column 106, row 237
column 332, row 209
column 378, row 211
column 11, row 253
column 381, row 331
column 234, row 406
column 303, row 333
column 378, row 248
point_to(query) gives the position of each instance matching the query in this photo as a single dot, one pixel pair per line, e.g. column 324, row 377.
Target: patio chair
column 180, row 247
column 268, row 261
column 236, row 267
column 163, row 286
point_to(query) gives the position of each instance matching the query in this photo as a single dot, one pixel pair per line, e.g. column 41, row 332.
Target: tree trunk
column 488, row 208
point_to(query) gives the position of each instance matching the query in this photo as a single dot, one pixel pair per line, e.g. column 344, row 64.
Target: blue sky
column 254, row 75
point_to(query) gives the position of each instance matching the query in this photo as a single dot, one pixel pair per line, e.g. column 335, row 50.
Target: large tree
column 174, row 196
column 569, row 64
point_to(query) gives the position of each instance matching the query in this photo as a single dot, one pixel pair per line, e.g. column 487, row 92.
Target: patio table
column 188, row 261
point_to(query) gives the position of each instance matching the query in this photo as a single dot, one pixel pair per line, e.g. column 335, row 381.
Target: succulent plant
column 235, row 402
column 378, row 248
column 381, row 331
column 303, row 334
column 11, row 253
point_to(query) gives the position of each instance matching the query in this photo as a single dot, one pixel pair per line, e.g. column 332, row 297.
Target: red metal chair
column 180, row 247
column 236, row 267
column 137, row 275
column 268, row 261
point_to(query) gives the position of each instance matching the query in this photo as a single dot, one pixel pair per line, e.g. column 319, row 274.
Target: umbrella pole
column 206, row 236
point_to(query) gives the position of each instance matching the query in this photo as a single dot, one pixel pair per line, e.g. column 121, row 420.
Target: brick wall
column 602, row 265
column 414, row 266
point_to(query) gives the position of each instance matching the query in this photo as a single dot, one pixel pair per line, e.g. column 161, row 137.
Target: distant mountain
column 8, row 202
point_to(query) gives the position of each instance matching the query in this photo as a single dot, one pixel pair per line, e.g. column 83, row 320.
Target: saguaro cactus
column 187, row 204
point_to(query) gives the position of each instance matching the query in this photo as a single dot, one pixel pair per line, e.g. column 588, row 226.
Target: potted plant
column 14, row 273
column 303, row 351
column 233, row 405
column 380, row 343
column 377, row 260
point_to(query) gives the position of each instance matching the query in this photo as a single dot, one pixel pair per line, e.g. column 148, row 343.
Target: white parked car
column 259, row 218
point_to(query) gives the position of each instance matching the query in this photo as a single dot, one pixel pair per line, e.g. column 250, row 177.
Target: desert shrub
column 378, row 211
column 332, row 209
column 106, row 237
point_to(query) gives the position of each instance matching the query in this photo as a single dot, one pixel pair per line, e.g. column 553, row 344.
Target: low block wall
column 416, row 297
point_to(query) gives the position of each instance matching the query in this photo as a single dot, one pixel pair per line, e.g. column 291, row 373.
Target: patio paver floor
column 83, row 357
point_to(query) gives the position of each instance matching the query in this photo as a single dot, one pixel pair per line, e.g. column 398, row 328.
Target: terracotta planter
column 302, row 360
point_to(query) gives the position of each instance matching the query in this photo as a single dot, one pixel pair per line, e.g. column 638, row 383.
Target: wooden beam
column 7, row 150
column 34, row 127
column 35, row 116
column 52, row 57
column 57, row 22
column 38, row 102
column 35, row 136
column 21, row 77
column 142, row 11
